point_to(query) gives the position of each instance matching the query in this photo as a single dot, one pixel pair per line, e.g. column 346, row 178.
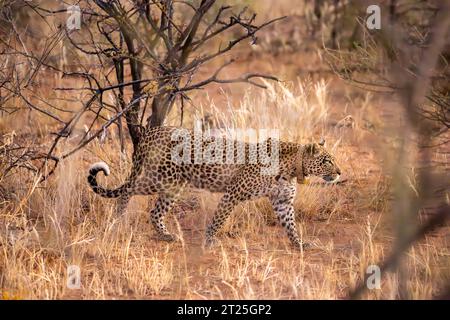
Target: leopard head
column 317, row 161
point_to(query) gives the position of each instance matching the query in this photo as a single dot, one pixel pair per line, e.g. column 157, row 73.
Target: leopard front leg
column 282, row 201
column 238, row 191
column 223, row 211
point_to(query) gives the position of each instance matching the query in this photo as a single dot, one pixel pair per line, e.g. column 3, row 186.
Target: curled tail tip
column 99, row 166
column 106, row 193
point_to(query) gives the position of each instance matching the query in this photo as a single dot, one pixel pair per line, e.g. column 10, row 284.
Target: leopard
column 157, row 170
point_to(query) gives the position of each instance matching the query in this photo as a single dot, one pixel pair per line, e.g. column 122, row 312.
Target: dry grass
column 47, row 227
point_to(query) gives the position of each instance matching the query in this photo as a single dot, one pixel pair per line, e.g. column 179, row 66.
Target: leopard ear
column 322, row 142
column 299, row 169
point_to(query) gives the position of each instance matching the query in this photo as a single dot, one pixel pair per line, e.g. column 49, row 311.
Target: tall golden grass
column 47, row 227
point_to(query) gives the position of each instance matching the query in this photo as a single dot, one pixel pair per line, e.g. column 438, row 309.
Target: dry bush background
column 47, row 226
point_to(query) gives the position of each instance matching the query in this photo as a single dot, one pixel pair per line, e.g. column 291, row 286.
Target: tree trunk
column 161, row 106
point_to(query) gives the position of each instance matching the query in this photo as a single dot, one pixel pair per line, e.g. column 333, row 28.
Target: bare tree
column 147, row 52
column 413, row 22
column 407, row 57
